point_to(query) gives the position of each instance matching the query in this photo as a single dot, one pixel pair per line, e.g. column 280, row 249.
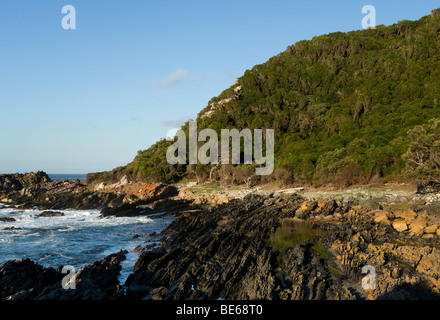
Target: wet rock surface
column 51, row 214
column 26, row 280
column 7, row 219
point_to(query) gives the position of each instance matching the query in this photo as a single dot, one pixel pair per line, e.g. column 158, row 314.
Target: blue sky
column 86, row 100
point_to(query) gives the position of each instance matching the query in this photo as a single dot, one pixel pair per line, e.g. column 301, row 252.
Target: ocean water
column 60, row 177
column 78, row 238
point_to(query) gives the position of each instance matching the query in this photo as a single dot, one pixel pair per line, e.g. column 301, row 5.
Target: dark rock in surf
column 51, row 214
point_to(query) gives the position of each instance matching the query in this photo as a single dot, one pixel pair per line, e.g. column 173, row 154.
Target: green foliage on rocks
column 423, row 156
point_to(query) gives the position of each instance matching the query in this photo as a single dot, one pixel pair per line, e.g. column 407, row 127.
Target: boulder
column 400, row 225
column 406, row 214
column 7, row 219
column 428, row 236
column 383, row 217
column 51, row 214
column 186, row 194
column 431, row 229
column 125, row 210
column 417, row 227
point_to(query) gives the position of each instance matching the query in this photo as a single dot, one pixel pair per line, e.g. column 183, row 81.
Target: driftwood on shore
column 291, row 190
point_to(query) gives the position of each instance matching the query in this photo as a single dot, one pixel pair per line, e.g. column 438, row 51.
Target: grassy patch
column 321, row 250
column 207, row 188
column 398, row 206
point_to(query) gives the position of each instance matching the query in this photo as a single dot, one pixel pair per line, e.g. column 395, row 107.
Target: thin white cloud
column 179, row 76
column 176, row 77
column 175, row 122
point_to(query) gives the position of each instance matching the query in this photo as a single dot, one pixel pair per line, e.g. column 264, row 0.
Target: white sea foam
column 78, row 238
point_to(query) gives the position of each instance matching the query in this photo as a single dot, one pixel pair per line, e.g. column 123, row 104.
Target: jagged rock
column 429, row 187
column 36, row 190
column 7, row 219
column 305, row 209
column 223, row 252
column 417, row 226
column 235, row 251
column 25, row 280
column 383, row 217
column 144, row 191
column 400, row 225
column 325, row 208
column 16, row 182
column 159, row 293
column 20, row 279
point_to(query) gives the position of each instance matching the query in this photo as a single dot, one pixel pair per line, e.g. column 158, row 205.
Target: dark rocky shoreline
column 225, row 253
column 259, row 247
column 37, row 190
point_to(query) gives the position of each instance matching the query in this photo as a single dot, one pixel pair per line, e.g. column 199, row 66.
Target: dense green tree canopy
column 341, row 104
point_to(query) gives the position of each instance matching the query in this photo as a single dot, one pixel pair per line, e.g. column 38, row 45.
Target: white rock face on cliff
column 221, row 104
column 121, row 183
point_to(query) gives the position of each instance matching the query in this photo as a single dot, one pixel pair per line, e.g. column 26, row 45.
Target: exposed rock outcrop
column 17, row 182
column 36, row 190
column 261, row 247
column 226, row 252
column 26, row 280
column 428, row 187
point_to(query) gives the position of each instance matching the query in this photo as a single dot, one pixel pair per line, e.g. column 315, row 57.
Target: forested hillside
column 341, row 106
